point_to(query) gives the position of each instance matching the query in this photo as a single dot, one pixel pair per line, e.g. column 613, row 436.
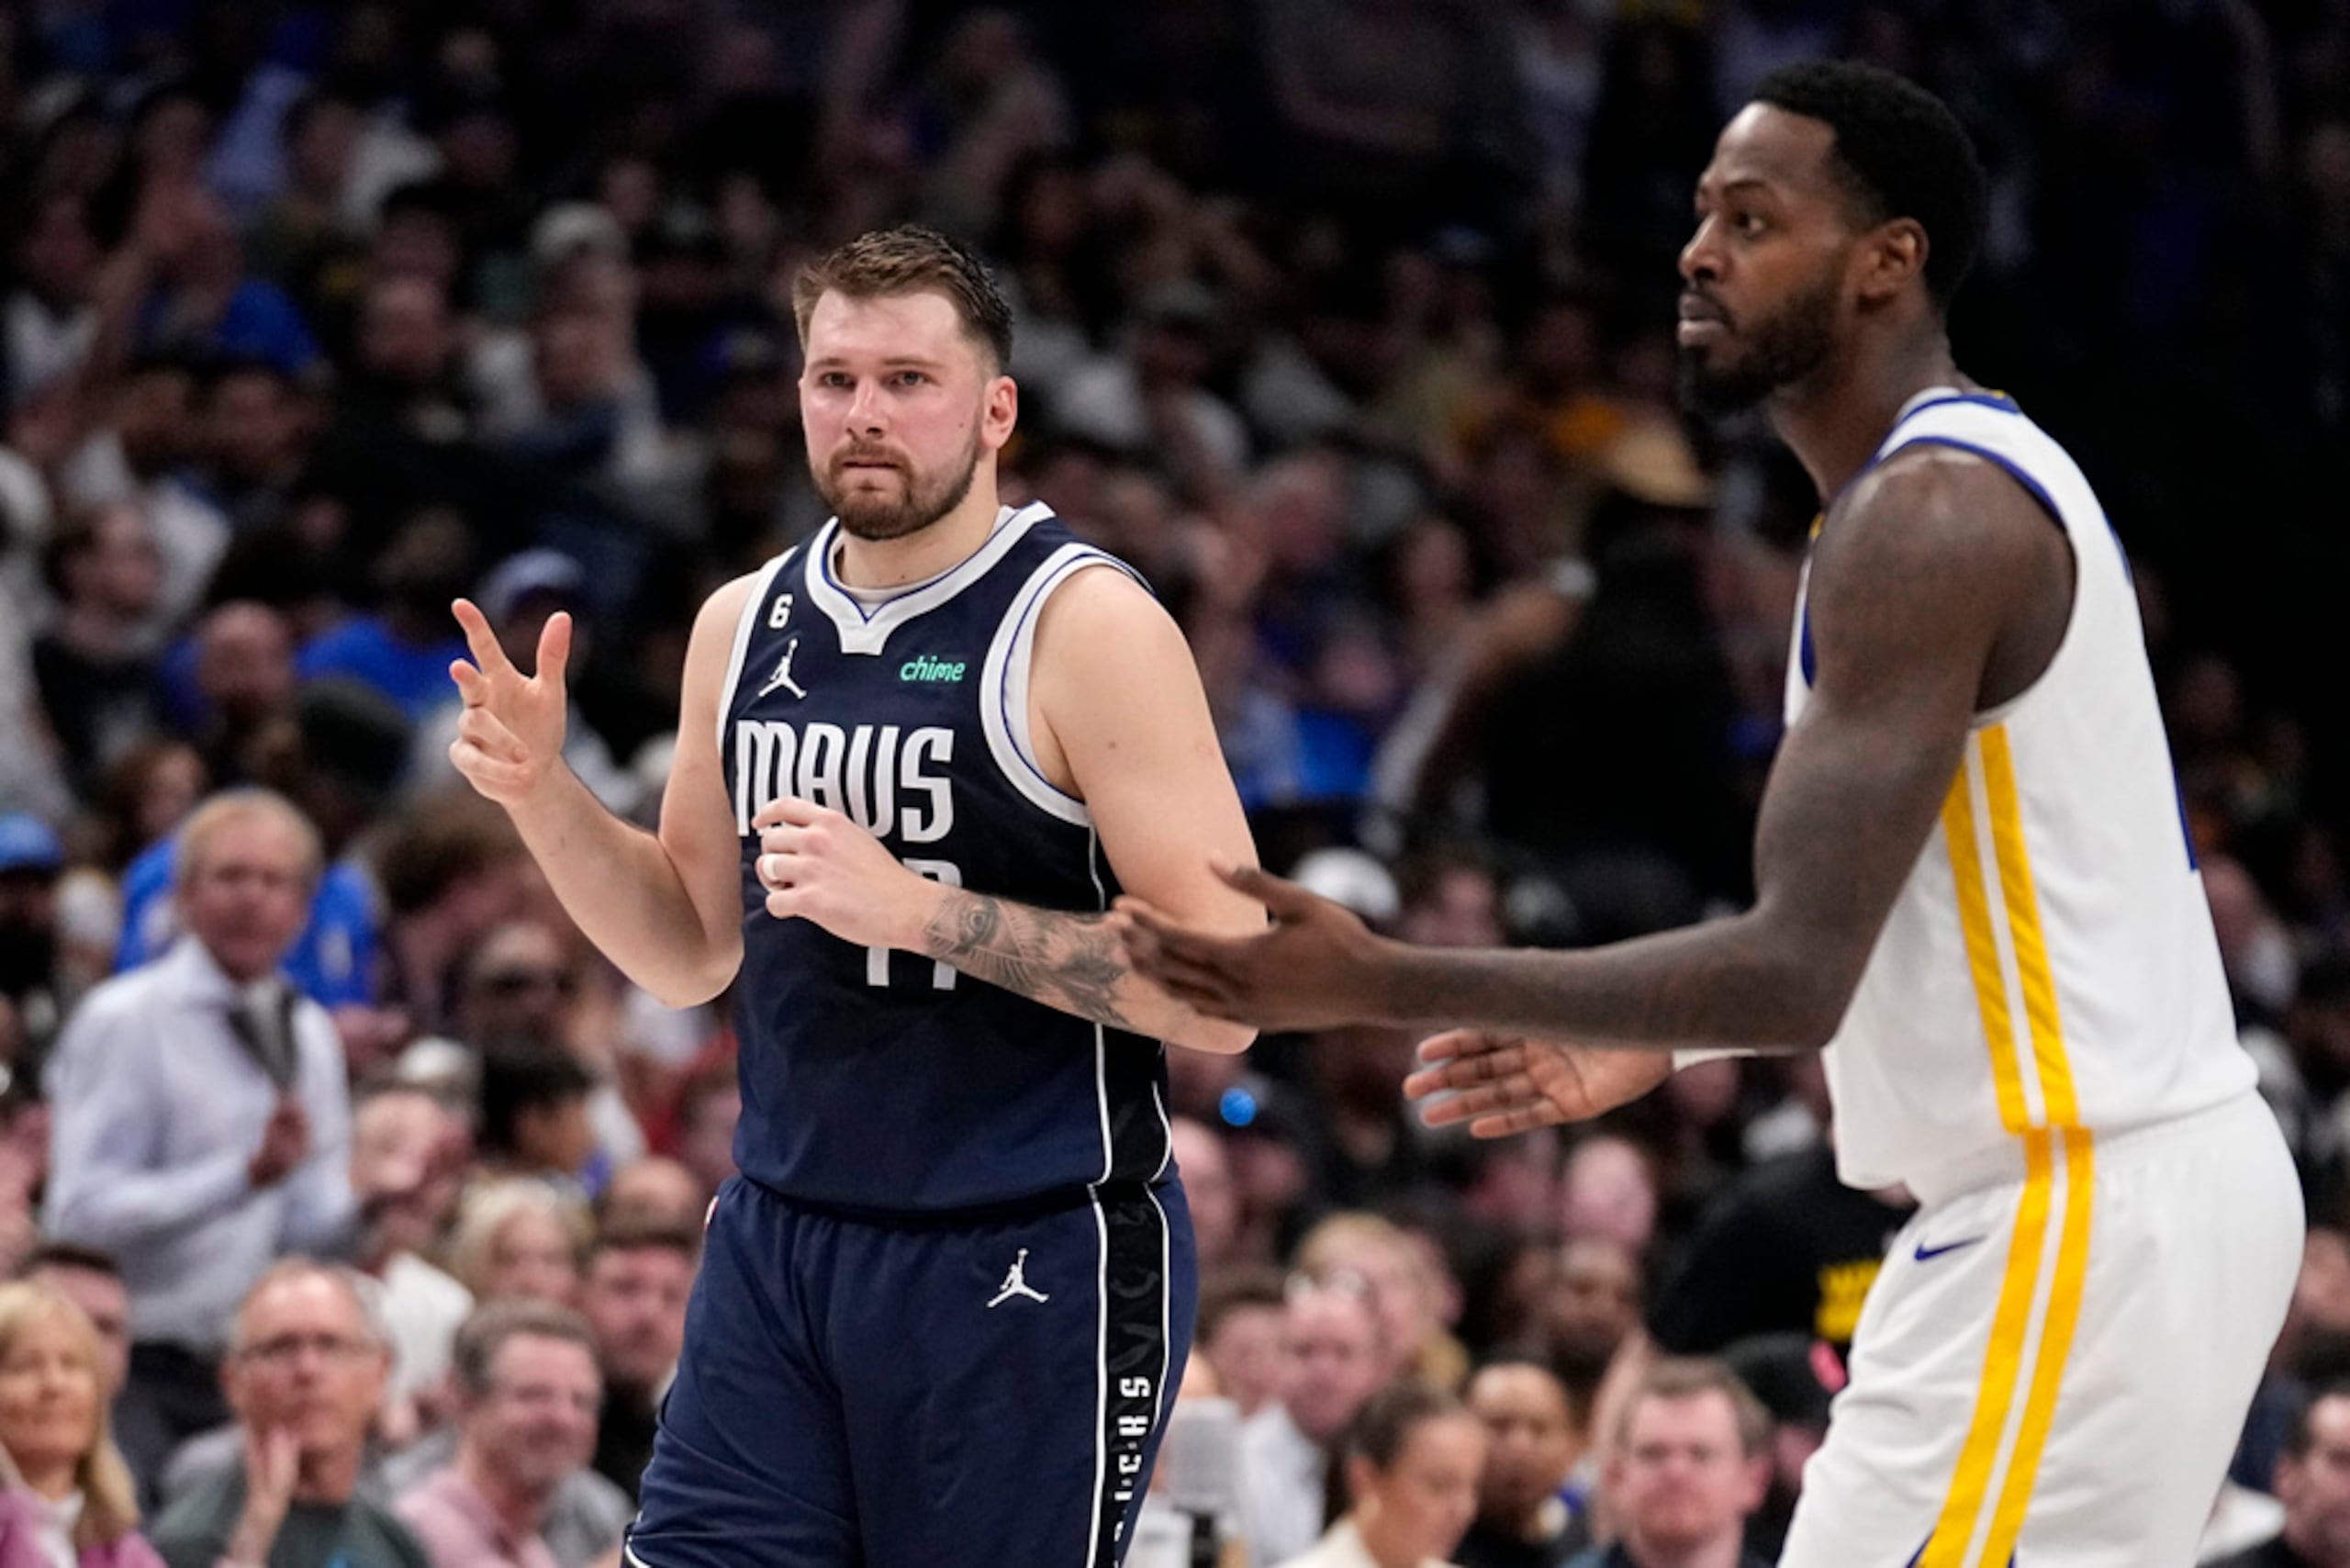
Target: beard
column 1779, row 352
column 925, row 498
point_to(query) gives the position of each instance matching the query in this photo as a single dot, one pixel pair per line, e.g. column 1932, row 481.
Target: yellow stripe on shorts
column 1996, row 1390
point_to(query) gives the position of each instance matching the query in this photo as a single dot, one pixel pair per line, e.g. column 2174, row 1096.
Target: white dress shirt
column 1343, row 1548
column 156, row 1108
column 1283, row 1473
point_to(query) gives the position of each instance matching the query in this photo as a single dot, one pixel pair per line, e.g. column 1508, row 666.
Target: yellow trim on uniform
column 1982, row 951
column 2055, row 1345
column 2062, row 1110
column 2002, row 1364
column 2003, row 1353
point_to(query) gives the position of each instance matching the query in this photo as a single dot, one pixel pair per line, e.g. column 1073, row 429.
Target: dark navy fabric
column 858, row 1393
column 884, row 1081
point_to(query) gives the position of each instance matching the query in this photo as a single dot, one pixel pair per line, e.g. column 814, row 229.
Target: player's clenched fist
column 819, row 865
column 511, row 735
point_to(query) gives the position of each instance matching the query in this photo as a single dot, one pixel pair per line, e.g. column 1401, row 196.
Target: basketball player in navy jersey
column 944, row 1309
column 1974, row 892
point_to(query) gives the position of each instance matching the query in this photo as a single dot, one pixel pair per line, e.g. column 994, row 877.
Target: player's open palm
column 509, row 737
column 1501, row 1084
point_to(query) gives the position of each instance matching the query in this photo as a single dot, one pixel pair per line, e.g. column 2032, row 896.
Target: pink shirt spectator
column 460, row 1529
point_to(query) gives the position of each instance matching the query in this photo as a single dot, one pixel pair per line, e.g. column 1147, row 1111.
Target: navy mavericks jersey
column 876, row 1079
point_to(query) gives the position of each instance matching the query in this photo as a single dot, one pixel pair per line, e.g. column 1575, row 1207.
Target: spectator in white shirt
column 201, row 1120
column 1336, row 1359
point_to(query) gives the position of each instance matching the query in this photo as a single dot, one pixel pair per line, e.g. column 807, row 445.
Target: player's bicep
column 1909, row 598
column 1116, row 688
column 698, row 828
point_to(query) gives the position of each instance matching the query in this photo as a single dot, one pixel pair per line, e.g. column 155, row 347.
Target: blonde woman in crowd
column 518, row 1238
column 68, row 1501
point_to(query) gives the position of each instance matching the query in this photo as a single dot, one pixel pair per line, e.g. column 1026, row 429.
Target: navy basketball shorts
column 908, row 1391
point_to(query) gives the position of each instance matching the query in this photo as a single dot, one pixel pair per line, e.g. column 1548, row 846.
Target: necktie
column 265, row 1022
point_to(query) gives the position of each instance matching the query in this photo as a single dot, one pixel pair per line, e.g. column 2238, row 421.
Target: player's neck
column 1835, row 421
column 946, row 544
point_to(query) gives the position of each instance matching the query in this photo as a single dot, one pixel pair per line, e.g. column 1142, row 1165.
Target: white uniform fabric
column 2054, row 1363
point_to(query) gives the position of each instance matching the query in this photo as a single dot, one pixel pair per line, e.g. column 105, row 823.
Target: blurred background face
column 1246, row 1354
column 1209, row 1188
column 395, row 1137
column 533, row 1257
column 1420, row 1506
column 244, row 661
column 307, row 1361
column 2315, row 1488
column 404, row 331
column 1595, row 1297
column 1681, row 1479
column 120, row 571
column 518, row 988
column 1335, row 1360
column 1524, row 1410
column 253, row 423
column 1608, row 1192
column 706, row 1131
column 635, row 1301
column 50, row 1392
column 537, row 1420
column 104, row 1302
column 1399, row 1291
column 245, row 892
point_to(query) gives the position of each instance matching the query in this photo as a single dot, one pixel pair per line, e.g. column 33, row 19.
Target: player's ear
column 999, row 411
column 1893, row 253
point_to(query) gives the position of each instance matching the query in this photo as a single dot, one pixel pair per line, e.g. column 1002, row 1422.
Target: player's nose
column 865, row 406
column 1700, row 259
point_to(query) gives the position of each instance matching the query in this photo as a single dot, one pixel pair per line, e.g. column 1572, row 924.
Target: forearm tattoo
column 1068, row 961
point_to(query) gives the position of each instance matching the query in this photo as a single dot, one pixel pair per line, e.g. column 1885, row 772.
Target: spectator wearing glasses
column 1335, row 1358
column 305, row 1374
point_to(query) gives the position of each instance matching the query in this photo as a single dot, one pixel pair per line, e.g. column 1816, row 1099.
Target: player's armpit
column 1123, row 725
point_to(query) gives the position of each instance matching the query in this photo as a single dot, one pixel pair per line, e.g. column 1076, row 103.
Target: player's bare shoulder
column 1938, row 538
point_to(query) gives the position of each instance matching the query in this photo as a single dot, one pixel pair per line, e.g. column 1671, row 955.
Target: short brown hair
column 909, row 258
column 1686, row 1377
column 474, row 1353
column 634, row 1233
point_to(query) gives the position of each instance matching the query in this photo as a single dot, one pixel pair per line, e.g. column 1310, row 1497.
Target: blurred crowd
column 1348, row 322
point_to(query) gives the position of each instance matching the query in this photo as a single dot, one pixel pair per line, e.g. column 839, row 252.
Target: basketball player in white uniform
column 1975, row 890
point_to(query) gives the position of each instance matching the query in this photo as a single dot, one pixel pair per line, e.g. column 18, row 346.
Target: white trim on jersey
column 867, row 632
column 1003, row 682
column 1166, row 1301
column 753, row 608
column 1100, row 1379
column 1100, row 1035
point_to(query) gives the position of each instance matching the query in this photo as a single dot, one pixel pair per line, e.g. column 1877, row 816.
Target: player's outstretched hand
column 511, row 735
column 818, row 865
column 1501, row 1084
column 1316, row 967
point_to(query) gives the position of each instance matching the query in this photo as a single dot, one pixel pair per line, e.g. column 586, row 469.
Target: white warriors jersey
column 2049, row 972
